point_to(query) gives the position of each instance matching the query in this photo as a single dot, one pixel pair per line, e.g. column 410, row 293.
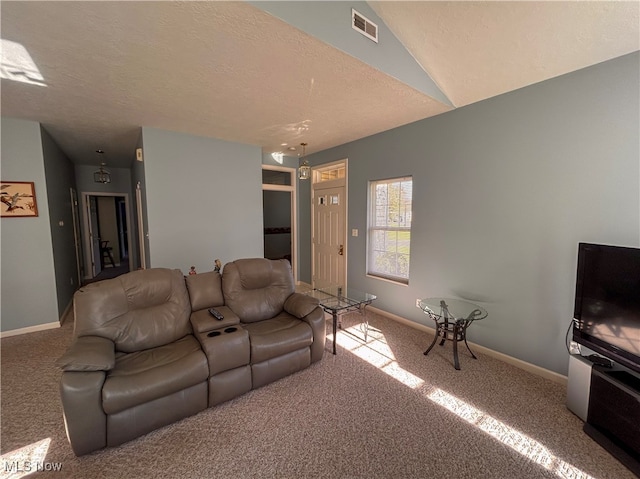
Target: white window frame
column 373, row 228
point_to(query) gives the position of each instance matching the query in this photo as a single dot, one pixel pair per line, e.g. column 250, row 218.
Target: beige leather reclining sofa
column 147, row 352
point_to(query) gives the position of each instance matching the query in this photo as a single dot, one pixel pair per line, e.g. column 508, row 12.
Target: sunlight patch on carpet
column 519, row 442
column 27, row 460
column 377, row 352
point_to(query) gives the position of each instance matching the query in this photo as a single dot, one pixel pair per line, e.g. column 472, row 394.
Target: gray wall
column 204, row 200
column 503, row 192
column 28, row 276
column 60, row 177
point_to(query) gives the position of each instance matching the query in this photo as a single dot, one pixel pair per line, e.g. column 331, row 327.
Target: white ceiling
column 231, row 71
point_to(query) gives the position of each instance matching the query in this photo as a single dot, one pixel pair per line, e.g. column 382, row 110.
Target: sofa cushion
column 146, row 375
column 256, row 288
column 138, row 310
column 205, row 290
column 277, row 336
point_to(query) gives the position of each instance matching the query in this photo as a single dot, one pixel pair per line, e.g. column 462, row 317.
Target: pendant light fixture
column 304, row 172
column 102, row 175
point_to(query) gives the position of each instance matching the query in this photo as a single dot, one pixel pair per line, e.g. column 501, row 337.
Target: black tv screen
column 607, row 303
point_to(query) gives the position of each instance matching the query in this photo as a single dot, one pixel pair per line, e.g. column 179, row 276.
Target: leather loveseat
column 147, row 352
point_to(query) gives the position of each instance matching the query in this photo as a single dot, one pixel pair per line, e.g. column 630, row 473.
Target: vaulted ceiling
column 94, row 72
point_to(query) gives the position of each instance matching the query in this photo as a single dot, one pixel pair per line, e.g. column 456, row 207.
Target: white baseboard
column 30, row 329
column 532, row 368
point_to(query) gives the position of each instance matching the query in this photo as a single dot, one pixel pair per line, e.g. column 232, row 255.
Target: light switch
column 354, row 232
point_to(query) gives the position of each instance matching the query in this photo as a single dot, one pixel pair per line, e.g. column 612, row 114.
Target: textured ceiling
column 231, row 71
column 476, row 50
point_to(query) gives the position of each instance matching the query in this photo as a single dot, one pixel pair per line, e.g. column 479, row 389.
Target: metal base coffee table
column 337, row 300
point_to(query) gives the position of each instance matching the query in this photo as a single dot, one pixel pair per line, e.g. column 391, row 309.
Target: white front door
column 329, row 214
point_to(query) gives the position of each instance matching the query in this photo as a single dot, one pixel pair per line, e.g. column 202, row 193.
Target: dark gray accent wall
column 304, row 230
column 60, row 178
column 137, row 176
column 504, row 190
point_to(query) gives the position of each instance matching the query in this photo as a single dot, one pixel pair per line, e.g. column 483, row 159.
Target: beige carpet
column 375, row 410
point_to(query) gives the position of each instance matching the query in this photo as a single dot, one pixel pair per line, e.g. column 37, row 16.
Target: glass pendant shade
column 102, row 175
column 304, row 171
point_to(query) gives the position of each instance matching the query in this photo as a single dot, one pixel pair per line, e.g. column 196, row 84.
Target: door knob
column 341, row 250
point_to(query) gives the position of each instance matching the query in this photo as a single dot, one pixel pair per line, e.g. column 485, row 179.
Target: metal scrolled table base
column 456, row 327
column 459, row 334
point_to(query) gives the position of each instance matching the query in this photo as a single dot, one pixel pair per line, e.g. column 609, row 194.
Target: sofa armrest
column 300, row 305
column 297, row 304
column 84, row 418
column 89, row 353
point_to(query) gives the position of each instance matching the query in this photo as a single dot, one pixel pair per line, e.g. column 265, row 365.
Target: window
column 390, row 229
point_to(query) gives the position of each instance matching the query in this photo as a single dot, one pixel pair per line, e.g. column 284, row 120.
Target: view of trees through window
column 390, row 228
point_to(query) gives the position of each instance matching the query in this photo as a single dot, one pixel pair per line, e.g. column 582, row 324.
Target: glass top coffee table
column 452, row 318
column 337, row 300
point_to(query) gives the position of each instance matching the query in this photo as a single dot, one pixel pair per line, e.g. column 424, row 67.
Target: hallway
column 111, row 272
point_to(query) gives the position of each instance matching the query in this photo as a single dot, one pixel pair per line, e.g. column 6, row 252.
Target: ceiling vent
column 362, row 24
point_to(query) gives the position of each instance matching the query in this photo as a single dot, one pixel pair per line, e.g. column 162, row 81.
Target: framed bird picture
column 18, row 199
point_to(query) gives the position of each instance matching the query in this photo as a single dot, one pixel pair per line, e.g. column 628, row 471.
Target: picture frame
column 18, row 199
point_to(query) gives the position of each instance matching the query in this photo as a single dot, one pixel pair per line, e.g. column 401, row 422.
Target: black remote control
column 216, row 314
column 600, row 361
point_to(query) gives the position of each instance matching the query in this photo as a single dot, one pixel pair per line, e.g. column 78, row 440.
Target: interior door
column 329, row 236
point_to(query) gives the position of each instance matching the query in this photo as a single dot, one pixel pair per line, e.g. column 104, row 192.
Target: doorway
column 107, row 244
column 329, row 213
column 278, row 214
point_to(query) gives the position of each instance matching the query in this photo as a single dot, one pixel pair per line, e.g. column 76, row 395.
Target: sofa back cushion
column 138, row 310
column 256, row 288
column 205, row 290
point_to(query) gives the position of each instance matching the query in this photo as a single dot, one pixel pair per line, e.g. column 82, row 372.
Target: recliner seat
column 148, row 353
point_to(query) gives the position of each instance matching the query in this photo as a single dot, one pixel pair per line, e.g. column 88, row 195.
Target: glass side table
column 452, row 318
column 337, row 300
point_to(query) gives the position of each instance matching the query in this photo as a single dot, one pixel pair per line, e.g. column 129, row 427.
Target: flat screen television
column 607, row 304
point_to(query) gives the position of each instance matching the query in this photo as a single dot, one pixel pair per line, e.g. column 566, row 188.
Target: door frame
column 316, row 172
column 87, row 240
column 294, row 215
column 77, row 234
